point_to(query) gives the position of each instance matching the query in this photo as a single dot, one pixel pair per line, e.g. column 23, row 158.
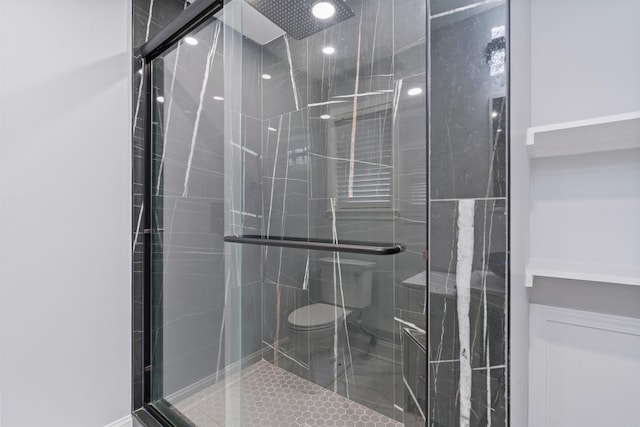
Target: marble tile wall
column 467, row 305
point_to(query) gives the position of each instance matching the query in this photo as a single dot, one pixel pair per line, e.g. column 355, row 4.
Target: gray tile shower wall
column 279, row 341
column 487, row 285
column 487, row 407
column 463, row 163
column 467, row 301
column 285, row 195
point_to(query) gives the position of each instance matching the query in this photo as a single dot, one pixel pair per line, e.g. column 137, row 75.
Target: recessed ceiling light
column 328, row 50
column 191, row 40
column 323, row 10
column 272, row 129
column 218, row 98
column 325, row 117
column 160, row 99
column 494, row 114
column 266, row 76
column 414, row 91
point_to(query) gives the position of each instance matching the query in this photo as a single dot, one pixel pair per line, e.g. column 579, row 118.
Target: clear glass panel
column 319, row 132
column 196, row 171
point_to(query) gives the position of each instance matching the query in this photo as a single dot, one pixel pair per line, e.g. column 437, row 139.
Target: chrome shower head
column 301, row 18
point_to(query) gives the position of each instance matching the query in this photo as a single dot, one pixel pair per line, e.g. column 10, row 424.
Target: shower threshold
column 267, row 395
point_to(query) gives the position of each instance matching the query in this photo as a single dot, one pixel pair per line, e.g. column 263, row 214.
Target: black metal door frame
column 194, row 15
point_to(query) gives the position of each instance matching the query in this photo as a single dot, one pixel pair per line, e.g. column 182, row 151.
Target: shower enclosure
column 285, row 219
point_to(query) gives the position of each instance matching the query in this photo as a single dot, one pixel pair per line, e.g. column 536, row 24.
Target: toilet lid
column 315, row 316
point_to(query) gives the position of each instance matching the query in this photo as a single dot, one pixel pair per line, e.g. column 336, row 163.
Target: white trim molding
column 618, row 132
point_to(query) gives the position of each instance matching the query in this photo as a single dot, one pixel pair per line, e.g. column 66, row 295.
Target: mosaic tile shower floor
column 271, row 396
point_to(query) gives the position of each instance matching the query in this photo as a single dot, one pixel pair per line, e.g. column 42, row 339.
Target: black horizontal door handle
column 357, row 247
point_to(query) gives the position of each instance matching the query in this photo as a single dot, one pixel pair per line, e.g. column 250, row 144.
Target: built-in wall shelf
column 623, row 274
column 584, row 209
column 608, row 133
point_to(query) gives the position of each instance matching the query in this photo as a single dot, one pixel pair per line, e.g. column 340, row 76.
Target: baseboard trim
column 126, row 421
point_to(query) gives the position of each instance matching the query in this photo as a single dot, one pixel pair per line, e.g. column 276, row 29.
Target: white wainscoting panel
column 584, row 369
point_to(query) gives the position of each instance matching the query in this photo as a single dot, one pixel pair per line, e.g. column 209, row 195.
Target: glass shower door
column 196, row 296
column 301, row 141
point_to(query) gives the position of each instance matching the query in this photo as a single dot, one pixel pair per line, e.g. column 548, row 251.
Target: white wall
column 520, row 119
column 570, row 60
column 585, row 63
column 65, row 185
column 585, row 59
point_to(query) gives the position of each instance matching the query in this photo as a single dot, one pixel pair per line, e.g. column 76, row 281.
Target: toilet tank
column 357, row 279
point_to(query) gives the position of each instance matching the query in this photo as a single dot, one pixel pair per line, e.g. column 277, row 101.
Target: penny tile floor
column 266, row 395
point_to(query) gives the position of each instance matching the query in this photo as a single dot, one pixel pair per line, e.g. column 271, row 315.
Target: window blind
column 370, row 185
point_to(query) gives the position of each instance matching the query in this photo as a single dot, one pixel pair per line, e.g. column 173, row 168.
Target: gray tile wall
column 467, row 349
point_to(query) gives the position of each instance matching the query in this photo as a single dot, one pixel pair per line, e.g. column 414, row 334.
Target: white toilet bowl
column 313, row 328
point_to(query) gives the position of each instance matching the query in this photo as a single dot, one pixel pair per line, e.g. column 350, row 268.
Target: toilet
column 312, row 326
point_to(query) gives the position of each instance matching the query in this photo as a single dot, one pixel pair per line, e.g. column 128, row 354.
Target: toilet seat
column 316, row 316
